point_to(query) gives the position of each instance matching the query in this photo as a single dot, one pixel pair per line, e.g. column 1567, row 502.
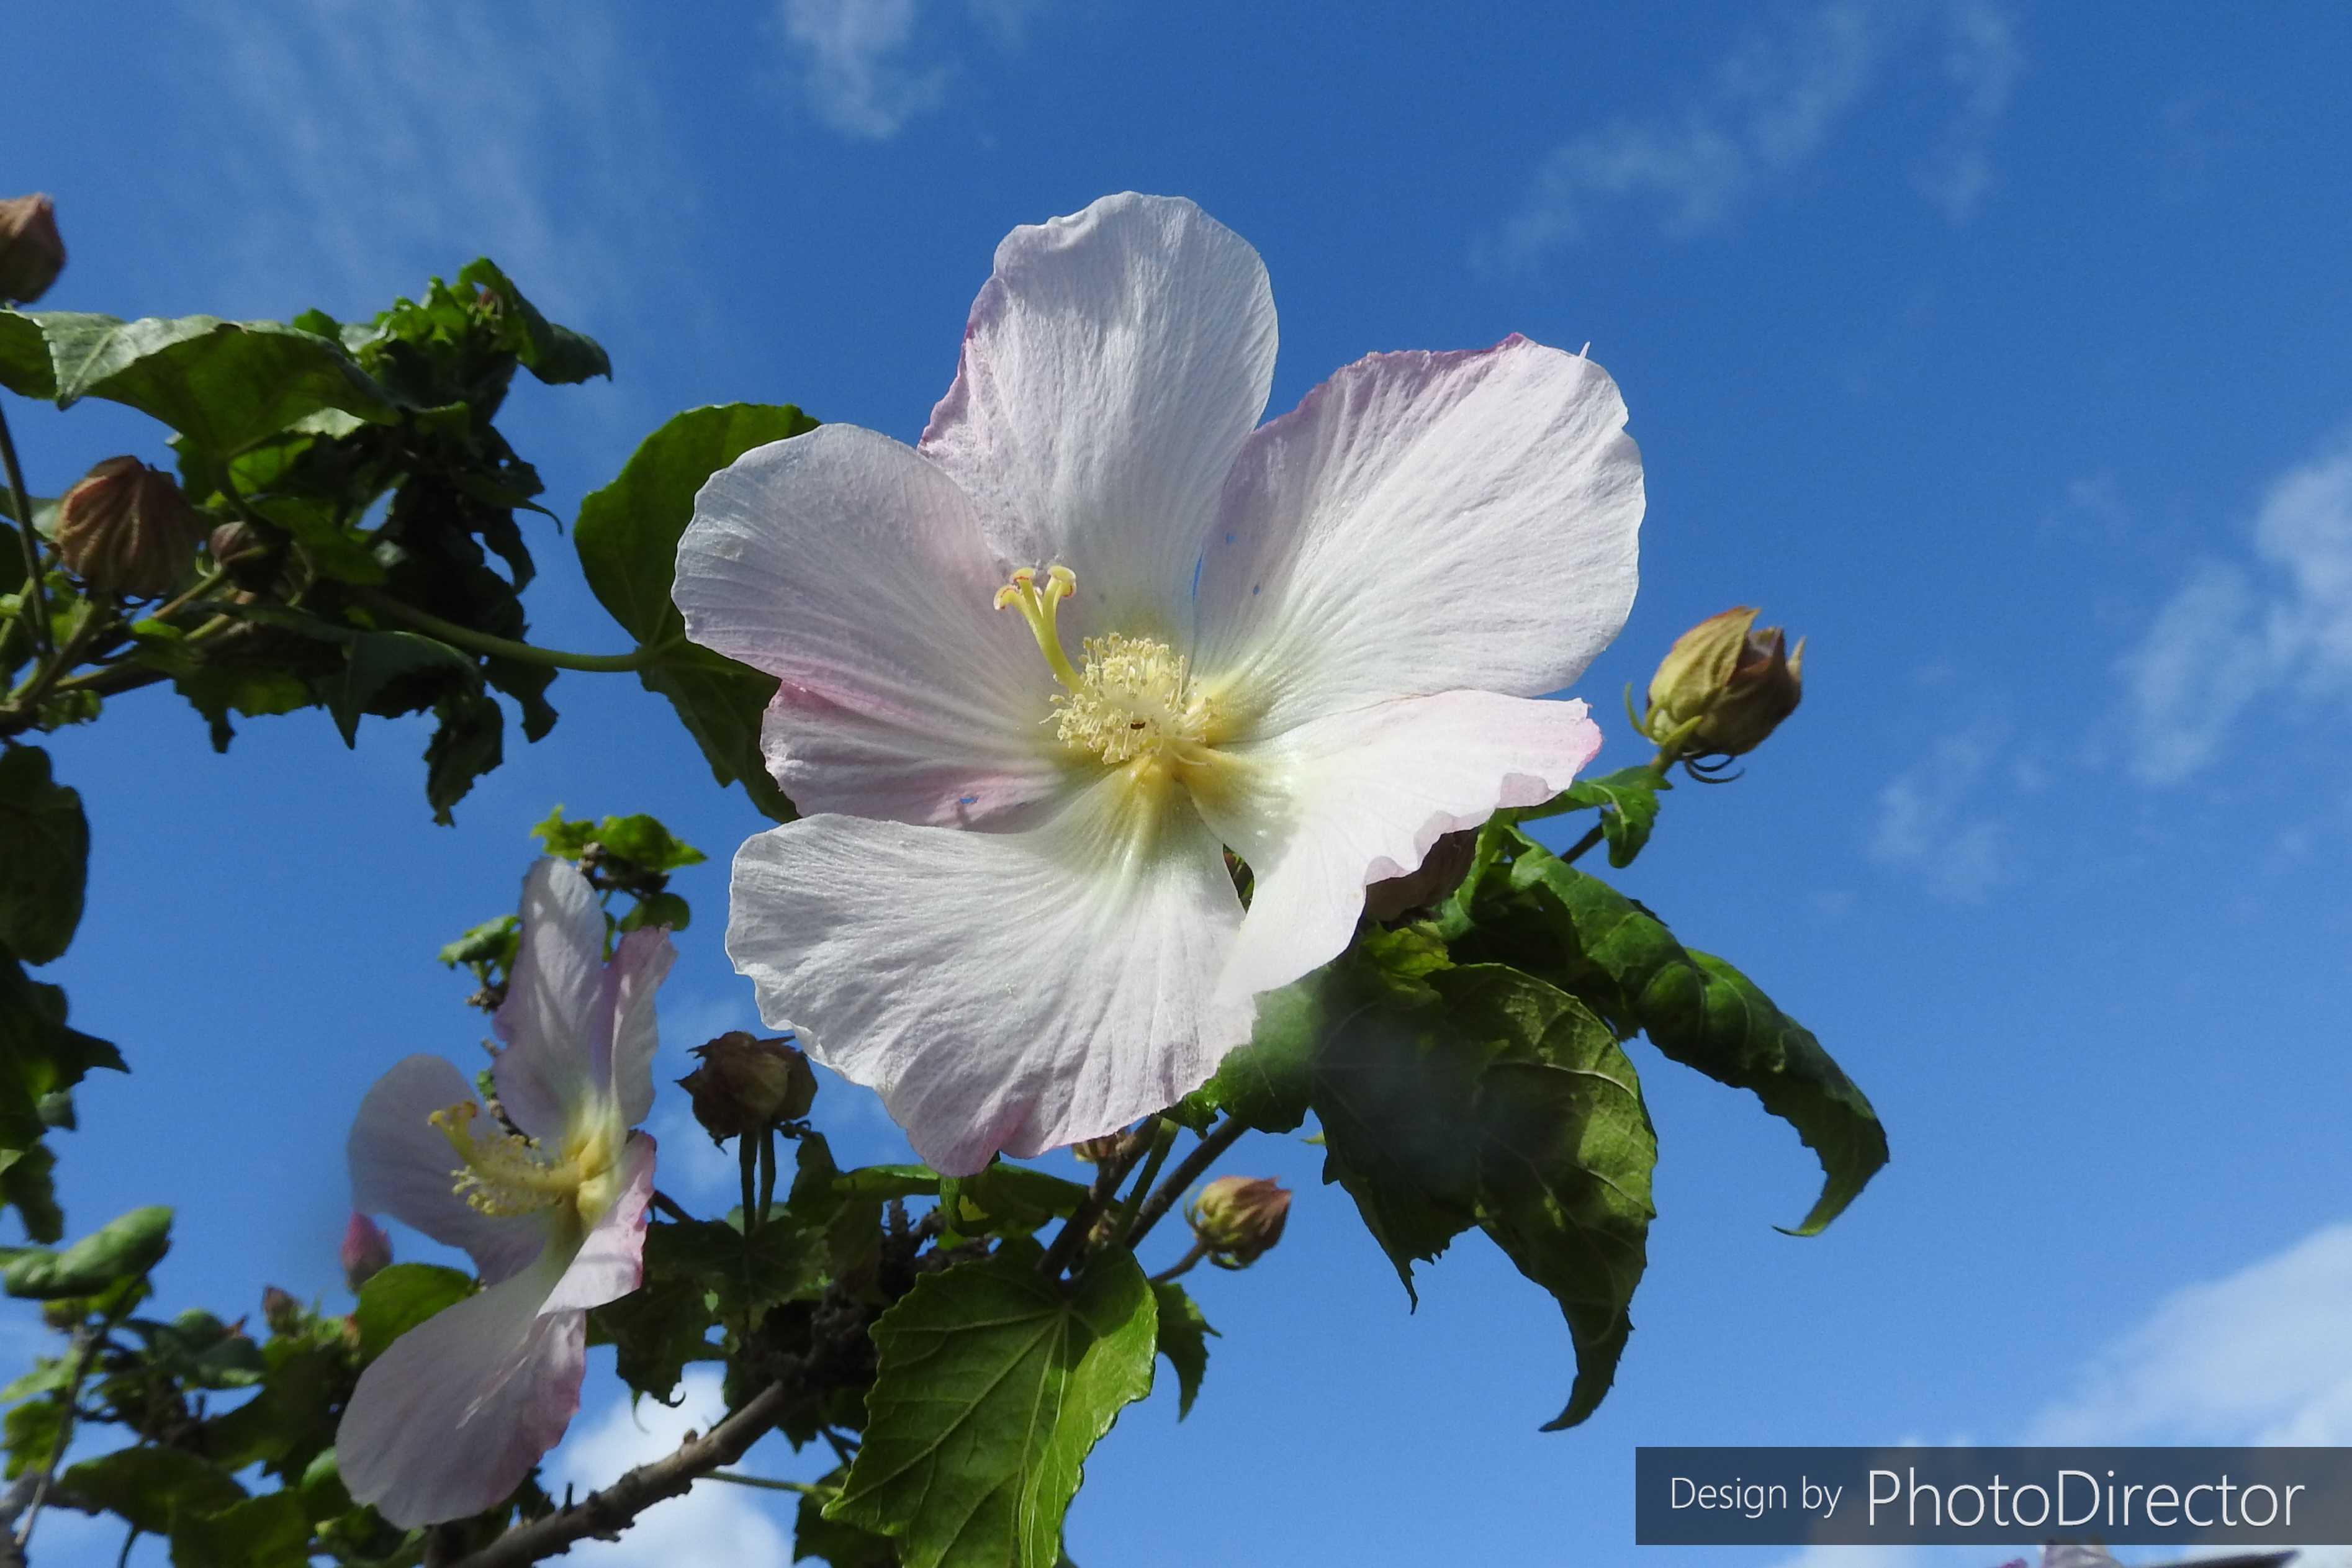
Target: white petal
column 854, row 572
column 639, row 966
column 611, row 1261
column 453, row 1416
column 553, row 1019
column 1112, row 368
column 402, row 1165
column 1423, row 522
column 1343, row 802
column 1010, row 991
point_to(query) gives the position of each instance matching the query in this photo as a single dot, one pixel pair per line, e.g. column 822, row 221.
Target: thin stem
column 34, row 590
column 668, row 1205
column 1575, row 851
column 1108, row 1176
column 748, row 1157
column 504, row 647
column 1213, row 1142
column 736, row 1477
column 767, row 1171
column 1161, row 1142
column 85, row 1347
column 129, row 1541
column 1184, row 1264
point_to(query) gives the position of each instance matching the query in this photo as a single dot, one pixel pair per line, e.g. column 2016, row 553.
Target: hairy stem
column 1213, row 1143
column 1183, row 1264
column 503, row 648
column 35, row 596
column 1108, row 1176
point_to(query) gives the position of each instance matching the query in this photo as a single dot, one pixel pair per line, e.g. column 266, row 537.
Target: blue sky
column 2000, row 349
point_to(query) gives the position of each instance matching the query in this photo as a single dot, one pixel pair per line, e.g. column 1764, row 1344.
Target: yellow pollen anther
column 1134, row 698
column 505, row 1174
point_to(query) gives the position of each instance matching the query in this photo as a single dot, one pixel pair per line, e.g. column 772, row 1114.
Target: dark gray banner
column 1993, row 1496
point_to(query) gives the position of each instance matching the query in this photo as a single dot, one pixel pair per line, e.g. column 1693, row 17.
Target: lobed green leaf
column 44, row 856
column 994, row 1384
column 398, row 1298
column 1184, row 1338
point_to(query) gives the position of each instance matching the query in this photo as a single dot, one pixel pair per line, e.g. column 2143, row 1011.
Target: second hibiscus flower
column 1040, row 669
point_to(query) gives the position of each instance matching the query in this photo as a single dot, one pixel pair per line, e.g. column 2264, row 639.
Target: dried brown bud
column 1440, row 872
column 126, row 526
column 1725, row 686
column 241, row 550
column 746, row 1085
column 32, row 253
column 1097, row 1151
column 280, row 1310
column 1239, row 1218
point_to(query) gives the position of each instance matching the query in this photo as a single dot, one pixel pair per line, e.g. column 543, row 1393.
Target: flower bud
column 1239, row 1218
column 126, row 526
column 32, row 254
column 280, row 1310
column 746, row 1085
column 241, row 550
column 366, row 1252
column 1725, row 686
column 1098, row 1151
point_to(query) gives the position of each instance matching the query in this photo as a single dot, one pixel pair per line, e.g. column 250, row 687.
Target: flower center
column 507, row 1174
column 1132, row 699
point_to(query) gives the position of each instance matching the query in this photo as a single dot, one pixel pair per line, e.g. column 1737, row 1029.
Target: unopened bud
column 126, row 526
column 280, row 1310
column 1239, row 1218
column 1440, row 872
column 1725, row 686
column 32, row 253
column 239, row 549
column 366, row 1252
column 748, row 1085
column 1098, row 1151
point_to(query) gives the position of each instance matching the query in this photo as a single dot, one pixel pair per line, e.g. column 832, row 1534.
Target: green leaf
column 30, row 1431
column 1005, row 1200
column 44, row 856
column 1628, row 803
column 375, row 660
column 782, row 1261
column 655, row 1330
column 124, row 1248
column 557, row 355
column 1453, row 1097
column 149, row 1485
column 627, row 534
column 829, row 1540
column 398, row 1298
column 992, row 1384
column 224, row 385
column 27, row 1185
column 41, row 1057
column 198, row 1350
column 1565, row 1151
column 25, row 367
column 659, row 909
column 270, row 1531
column 889, row 1182
column 468, row 741
column 1183, row 1339
column 1552, row 920
column 494, row 941
column 635, row 838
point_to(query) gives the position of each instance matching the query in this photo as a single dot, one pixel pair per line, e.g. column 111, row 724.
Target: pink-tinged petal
column 1112, row 367
column 402, row 1165
column 1423, row 524
column 554, row 1017
column 1002, row 991
column 1343, row 802
column 854, row 572
column 639, row 966
column 611, row 1261
column 452, row 1418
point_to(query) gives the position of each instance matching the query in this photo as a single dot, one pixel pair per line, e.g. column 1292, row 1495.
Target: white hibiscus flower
column 1040, row 669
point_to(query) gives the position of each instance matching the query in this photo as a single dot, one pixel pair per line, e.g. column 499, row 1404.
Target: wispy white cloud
column 1772, row 105
column 380, row 140
column 1929, row 820
column 866, row 68
column 713, row 1526
column 2240, row 631
column 2258, row 1358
